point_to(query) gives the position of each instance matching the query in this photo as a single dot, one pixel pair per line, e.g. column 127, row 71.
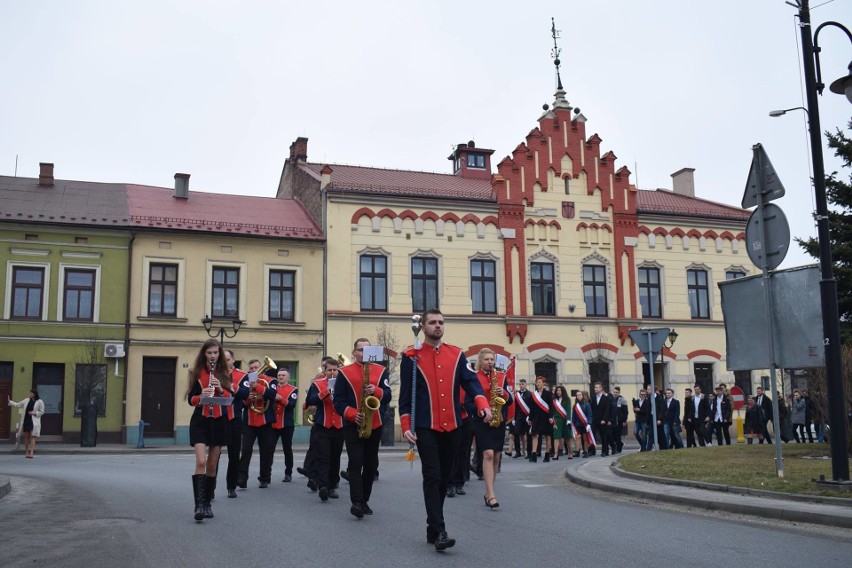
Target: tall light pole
column 828, row 284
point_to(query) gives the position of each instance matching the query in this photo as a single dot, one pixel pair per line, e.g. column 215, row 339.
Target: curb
column 732, row 489
column 769, row 512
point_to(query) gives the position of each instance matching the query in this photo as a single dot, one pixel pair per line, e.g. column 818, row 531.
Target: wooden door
column 8, row 415
column 158, row 395
column 49, row 380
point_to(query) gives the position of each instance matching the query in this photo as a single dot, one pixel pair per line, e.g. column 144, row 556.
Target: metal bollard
column 140, row 442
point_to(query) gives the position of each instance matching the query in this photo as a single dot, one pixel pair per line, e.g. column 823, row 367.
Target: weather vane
column 555, row 53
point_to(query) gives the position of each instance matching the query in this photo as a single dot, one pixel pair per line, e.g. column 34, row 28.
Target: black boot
column 198, row 493
column 209, row 488
column 534, row 457
column 546, row 456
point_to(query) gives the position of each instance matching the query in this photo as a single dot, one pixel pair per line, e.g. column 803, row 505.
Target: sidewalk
column 604, row 474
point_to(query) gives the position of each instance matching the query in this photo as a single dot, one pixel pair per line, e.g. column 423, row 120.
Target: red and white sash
column 521, row 403
column 587, row 429
column 539, row 402
column 557, row 404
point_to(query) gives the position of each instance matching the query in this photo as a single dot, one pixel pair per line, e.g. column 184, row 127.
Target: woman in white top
column 33, row 408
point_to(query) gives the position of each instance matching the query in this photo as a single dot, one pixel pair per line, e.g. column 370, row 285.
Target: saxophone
column 369, row 404
column 497, row 402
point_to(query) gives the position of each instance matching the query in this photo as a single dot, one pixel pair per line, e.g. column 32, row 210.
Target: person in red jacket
column 327, row 431
column 208, row 427
column 284, row 425
column 430, row 415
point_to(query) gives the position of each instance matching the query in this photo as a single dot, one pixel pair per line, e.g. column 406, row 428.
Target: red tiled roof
column 403, row 182
column 156, row 207
column 66, row 202
column 667, row 202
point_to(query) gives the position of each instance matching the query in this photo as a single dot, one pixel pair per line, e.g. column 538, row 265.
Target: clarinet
column 212, row 376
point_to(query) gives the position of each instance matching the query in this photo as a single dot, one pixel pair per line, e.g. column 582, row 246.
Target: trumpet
column 255, row 403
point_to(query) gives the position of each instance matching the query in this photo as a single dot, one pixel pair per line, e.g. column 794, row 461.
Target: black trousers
column 701, row 431
column 520, row 430
column 310, row 464
column 363, row 462
column 603, row 436
column 460, row 472
column 285, row 434
column 328, row 445
column 235, row 441
column 263, row 435
column 690, row 433
column 437, row 451
column 766, row 435
column 722, row 431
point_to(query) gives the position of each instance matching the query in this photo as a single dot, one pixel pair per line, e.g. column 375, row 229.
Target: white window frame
column 181, row 285
column 60, row 300
column 297, row 295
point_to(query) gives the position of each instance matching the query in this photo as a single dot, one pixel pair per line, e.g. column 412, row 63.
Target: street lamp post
column 221, row 333
column 828, row 284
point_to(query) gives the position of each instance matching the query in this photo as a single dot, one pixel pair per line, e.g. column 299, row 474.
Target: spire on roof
column 560, row 101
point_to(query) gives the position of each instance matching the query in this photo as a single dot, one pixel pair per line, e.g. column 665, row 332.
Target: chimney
column 299, row 150
column 181, row 186
column 683, row 182
column 45, row 174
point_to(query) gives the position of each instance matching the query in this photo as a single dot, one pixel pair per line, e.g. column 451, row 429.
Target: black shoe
column 443, row 542
column 451, row 491
column 302, row 471
column 604, row 454
column 241, row 483
column 508, row 453
column 479, row 477
column 263, row 485
column 333, row 493
column 344, row 474
column 367, row 509
column 357, row 511
column 232, row 493
column 534, row 458
column 516, row 456
column 546, row 458
column 431, row 537
column 460, row 490
column 312, row 485
column 323, row 493
column 287, row 478
column 585, row 454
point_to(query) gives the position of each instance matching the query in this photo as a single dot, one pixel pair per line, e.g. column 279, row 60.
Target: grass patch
column 742, row 466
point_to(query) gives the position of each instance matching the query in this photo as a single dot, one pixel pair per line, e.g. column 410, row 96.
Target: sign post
column 650, row 342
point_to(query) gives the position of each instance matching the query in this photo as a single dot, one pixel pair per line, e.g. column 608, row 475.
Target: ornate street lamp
column 828, row 285
column 222, row 333
column 671, row 339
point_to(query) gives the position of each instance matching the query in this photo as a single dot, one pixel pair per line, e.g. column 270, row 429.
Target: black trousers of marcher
column 437, row 451
column 722, row 432
column 263, row 435
column 461, row 472
column 235, row 442
column 328, row 445
column 363, row 462
column 690, row 433
column 310, row 464
column 285, row 434
column 603, row 436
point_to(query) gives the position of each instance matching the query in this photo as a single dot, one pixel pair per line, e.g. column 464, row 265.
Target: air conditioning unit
column 114, row 350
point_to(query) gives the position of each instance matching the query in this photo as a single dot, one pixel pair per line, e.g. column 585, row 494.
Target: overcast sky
column 135, row 91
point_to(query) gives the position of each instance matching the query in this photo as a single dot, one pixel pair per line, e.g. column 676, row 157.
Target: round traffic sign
column 767, row 246
column 737, row 397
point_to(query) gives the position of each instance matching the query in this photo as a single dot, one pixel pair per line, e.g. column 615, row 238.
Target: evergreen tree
column 839, row 197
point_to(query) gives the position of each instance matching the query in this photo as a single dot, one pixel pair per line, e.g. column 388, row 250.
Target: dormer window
column 476, row 161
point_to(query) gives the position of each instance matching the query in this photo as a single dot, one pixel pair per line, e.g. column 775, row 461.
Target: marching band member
column 437, row 375
column 208, row 427
column 460, row 471
column 489, row 438
column 240, row 391
column 260, row 415
column 309, row 465
column 363, row 454
column 327, row 431
column 284, row 425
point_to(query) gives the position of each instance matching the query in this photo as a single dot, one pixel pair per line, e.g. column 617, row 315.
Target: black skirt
column 488, row 438
column 208, row 431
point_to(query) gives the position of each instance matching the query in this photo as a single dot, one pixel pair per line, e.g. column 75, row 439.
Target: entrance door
column 158, row 396
column 49, row 380
column 6, row 369
column 659, row 375
column 704, row 377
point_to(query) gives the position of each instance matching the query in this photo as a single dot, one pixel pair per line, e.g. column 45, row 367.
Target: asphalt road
column 136, row 510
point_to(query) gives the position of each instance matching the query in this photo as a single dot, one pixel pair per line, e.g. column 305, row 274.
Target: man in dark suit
column 655, row 431
column 764, row 404
column 671, row 424
column 699, row 415
column 640, row 419
column 689, row 418
column 602, row 418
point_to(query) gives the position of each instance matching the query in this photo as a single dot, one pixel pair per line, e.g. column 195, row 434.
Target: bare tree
column 386, row 337
column 90, row 375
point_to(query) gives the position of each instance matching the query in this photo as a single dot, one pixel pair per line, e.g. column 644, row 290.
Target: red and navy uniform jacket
column 485, row 383
column 208, row 410
column 350, row 385
column 441, row 371
column 284, row 409
column 239, row 394
column 254, row 419
column 320, row 396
